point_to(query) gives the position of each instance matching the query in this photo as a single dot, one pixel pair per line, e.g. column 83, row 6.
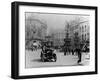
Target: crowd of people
column 77, row 51
column 47, row 46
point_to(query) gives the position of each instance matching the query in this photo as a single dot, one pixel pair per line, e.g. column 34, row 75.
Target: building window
column 85, row 27
column 82, row 29
column 88, row 35
column 82, row 37
column 85, row 36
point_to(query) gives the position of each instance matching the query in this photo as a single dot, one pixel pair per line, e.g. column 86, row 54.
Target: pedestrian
column 65, row 50
column 72, row 51
column 79, row 55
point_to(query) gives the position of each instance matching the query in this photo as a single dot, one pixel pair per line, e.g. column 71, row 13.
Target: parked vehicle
column 48, row 55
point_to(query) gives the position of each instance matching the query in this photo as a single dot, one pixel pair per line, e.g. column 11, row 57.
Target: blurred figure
column 79, row 53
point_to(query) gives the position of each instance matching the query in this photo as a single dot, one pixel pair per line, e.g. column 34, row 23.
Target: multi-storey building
column 84, row 29
column 58, row 38
column 80, row 27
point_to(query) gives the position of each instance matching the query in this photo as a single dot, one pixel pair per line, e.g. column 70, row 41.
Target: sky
column 55, row 22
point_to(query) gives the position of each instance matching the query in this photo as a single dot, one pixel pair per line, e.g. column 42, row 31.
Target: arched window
column 85, row 27
column 85, row 36
column 82, row 37
column 82, row 29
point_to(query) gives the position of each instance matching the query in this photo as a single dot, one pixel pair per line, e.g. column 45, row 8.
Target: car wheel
column 43, row 60
column 55, row 58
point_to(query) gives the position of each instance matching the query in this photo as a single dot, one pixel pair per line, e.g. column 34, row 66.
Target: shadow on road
column 36, row 60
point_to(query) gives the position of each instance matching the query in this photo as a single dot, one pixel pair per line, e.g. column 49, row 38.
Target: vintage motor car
column 48, row 55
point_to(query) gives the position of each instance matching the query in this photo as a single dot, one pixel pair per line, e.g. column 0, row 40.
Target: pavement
column 33, row 60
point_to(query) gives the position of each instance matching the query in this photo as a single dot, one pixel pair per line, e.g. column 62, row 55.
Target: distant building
column 58, row 38
column 83, row 30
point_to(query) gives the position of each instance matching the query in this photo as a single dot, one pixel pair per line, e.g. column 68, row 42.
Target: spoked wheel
column 55, row 58
column 42, row 59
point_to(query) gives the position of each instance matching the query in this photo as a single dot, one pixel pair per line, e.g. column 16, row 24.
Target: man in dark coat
column 79, row 55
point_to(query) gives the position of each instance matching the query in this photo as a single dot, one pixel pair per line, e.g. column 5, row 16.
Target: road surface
column 33, row 60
